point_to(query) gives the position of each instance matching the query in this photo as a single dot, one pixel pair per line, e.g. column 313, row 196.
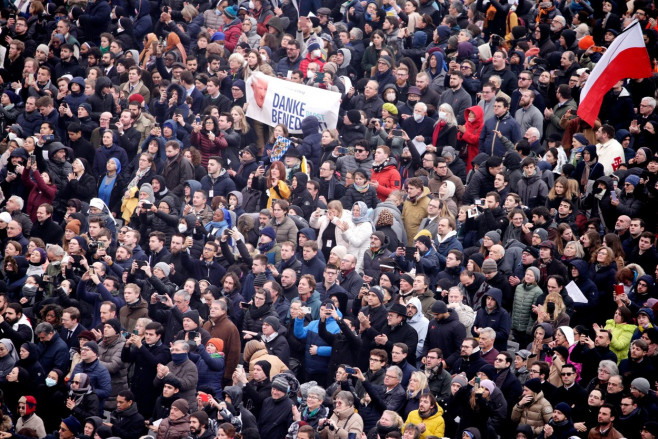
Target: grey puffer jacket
column 532, row 190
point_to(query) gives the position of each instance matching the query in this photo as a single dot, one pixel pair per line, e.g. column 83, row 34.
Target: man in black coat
column 445, row 332
column 590, row 353
column 570, row 392
column 470, row 359
column 482, row 181
column 397, row 330
column 45, row 228
column 146, row 354
column 126, row 422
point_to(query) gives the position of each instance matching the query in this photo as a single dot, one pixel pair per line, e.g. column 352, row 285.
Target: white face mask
column 263, row 57
column 418, row 117
column 310, row 74
column 390, row 97
column 182, row 228
column 442, row 115
column 317, row 53
column 12, row 136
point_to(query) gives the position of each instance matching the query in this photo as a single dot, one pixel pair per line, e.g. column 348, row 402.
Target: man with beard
column 178, row 273
column 142, row 122
column 122, row 261
column 438, row 379
column 68, row 65
column 199, row 426
column 605, row 427
column 178, row 170
column 469, row 360
column 14, row 326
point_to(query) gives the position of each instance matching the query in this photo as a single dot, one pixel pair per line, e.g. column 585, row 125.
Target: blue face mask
column 50, row 382
column 179, row 358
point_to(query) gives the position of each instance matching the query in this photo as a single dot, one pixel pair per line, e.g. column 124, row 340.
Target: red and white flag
column 627, row 57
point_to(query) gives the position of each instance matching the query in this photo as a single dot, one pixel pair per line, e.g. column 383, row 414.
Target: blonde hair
column 423, row 385
column 335, row 204
column 556, row 298
column 243, row 125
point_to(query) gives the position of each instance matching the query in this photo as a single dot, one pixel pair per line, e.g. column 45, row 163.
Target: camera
column 147, row 206
column 547, row 350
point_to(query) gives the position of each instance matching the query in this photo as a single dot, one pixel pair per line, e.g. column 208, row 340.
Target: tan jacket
column 536, row 414
column 277, row 365
column 348, row 421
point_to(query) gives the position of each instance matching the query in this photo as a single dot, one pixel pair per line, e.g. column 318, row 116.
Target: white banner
column 274, row 101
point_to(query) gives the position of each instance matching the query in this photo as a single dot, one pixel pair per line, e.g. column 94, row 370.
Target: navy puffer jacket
column 310, row 146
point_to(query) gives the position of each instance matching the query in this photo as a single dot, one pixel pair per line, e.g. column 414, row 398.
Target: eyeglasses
column 567, row 374
column 75, row 382
column 465, row 67
column 359, row 150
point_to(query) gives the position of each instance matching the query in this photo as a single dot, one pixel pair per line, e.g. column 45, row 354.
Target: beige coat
column 277, row 365
column 536, row 414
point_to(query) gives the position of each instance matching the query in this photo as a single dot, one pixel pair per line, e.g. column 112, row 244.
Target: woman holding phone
column 42, row 190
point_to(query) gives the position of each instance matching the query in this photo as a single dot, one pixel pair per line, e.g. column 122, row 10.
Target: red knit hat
column 218, row 343
column 136, row 97
column 30, row 404
column 586, row 42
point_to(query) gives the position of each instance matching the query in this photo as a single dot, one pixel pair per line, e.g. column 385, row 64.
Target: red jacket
column 303, row 66
column 40, row 192
column 388, row 178
column 208, row 148
column 232, row 32
column 471, row 137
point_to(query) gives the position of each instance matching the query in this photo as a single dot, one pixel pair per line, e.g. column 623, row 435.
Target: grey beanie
column 378, row 291
column 535, row 272
column 642, row 385
column 494, row 235
column 164, row 267
column 542, row 233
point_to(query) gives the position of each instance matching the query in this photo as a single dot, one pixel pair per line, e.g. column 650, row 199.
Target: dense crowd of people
column 462, row 256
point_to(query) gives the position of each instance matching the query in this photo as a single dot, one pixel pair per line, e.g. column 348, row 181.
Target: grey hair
column 610, row 365
column 18, row 200
column 317, row 391
column 397, row 371
column 650, row 101
column 222, row 304
column 489, row 331
column 184, row 294
column 44, row 327
column 346, row 397
column 184, row 344
column 57, row 250
column 421, row 105
column 534, row 131
column 459, row 6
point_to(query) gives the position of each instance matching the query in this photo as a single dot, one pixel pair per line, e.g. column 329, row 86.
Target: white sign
column 274, row 101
